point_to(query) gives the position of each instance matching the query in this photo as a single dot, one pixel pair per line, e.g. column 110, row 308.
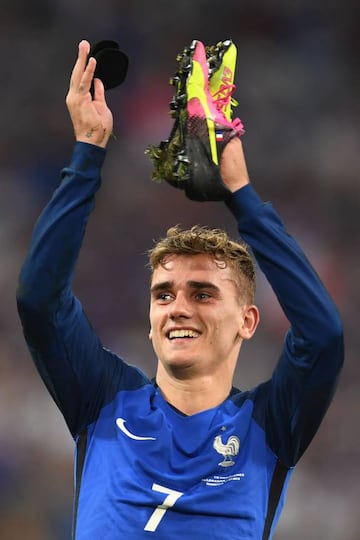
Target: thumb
column 99, row 90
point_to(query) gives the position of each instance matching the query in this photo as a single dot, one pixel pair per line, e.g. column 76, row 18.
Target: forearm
column 64, row 347
column 303, row 297
column 59, row 231
column 305, row 378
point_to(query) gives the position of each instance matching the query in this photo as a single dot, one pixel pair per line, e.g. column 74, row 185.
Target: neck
column 193, row 395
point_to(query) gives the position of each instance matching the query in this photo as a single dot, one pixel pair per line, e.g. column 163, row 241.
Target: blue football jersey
column 143, row 470
column 146, row 468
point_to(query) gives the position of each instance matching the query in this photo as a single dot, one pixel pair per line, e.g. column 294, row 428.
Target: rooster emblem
column 228, row 450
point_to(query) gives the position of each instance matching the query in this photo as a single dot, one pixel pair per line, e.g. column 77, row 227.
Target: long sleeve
column 304, row 380
column 59, row 231
column 77, row 370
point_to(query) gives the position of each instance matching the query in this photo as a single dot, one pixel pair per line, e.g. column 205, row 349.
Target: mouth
column 182, row 333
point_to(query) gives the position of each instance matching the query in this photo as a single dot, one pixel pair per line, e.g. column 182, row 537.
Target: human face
column 197, row 319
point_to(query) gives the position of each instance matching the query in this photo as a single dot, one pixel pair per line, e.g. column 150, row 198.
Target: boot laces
column 223, row 97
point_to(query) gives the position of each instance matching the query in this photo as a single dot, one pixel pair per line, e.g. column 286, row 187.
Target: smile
column 182, row 334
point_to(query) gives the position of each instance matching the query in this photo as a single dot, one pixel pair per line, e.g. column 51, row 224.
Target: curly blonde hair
column 215, row 242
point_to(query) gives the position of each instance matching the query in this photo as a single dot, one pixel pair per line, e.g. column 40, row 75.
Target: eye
column 203, row 296
column 164, row 297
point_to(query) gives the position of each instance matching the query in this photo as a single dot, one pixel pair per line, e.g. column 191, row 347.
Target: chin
column 180, row 363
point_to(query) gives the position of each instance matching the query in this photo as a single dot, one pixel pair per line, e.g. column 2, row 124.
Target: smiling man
column 201, row 310
column 185, row 455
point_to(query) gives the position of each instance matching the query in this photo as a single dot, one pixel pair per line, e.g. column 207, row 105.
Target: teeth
column 182, row 333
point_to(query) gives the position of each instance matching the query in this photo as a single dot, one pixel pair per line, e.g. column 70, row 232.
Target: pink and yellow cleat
column 202, row 109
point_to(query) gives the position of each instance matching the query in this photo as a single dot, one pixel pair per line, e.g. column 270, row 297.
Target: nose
column 180, row 307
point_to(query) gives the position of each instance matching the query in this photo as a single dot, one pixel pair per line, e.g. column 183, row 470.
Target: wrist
column 233, row 168
column 97, row 136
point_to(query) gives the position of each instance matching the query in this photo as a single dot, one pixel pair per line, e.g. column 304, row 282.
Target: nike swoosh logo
column 120, row 422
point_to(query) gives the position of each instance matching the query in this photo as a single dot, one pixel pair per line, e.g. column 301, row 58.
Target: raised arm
column 67, row 352
column 305, row 378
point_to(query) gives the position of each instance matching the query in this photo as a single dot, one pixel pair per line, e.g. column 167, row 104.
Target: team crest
column 228, row 450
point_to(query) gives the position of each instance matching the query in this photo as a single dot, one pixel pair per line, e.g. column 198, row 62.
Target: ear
column 249, row 322
column 150, row 334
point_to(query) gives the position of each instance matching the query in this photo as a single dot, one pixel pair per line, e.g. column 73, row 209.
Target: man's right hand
column 92, row 119
column 233, row 167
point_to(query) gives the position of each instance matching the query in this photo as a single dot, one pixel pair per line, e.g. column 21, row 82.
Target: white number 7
column 158, row 513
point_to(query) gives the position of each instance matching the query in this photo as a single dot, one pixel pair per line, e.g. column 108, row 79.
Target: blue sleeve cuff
column 244, row 201
column 87, row 158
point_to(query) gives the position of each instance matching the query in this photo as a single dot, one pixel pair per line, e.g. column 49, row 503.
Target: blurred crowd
column 298, row 91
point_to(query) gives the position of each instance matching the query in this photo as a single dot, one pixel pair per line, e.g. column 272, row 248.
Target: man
column 184, row 455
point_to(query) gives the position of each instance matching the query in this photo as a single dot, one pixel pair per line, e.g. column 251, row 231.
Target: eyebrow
column 166, row 285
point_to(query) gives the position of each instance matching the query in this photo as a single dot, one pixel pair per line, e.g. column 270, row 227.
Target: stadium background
column 298, row 88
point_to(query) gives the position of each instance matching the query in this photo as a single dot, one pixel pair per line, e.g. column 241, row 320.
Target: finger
column 79, row 67
column 87, row 77
column 99, row 90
